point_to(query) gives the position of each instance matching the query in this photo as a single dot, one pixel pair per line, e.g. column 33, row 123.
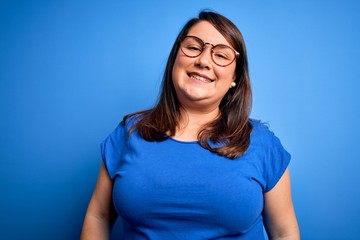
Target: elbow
column 289, row 235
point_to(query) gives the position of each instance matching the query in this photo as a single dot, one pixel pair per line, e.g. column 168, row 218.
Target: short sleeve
column 278, row 161
column 111, row 150
column 273, row 157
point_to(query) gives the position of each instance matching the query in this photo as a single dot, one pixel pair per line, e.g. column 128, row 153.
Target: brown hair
column 232, row 128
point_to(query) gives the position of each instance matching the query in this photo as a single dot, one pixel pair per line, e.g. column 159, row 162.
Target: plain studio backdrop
column 70, row 70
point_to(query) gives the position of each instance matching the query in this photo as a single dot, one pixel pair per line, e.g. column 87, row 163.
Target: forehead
column 208, row 33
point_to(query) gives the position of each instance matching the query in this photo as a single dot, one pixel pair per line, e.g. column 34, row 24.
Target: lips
column 200, row 77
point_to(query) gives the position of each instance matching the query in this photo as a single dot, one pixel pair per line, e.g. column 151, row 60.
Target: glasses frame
column 181, row 39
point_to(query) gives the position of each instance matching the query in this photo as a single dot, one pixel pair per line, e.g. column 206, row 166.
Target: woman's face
column 199, row 82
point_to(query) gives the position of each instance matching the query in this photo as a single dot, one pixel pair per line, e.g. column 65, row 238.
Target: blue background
column 69, row 71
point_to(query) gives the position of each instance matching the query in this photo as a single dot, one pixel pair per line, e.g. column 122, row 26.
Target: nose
column 204, row 59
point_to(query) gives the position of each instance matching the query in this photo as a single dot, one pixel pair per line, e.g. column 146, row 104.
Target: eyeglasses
column 222, row 55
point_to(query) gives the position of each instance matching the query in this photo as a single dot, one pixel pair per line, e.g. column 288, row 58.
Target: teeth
column 200, row 78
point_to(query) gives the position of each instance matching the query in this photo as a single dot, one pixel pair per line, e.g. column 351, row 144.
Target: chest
column 184, row 183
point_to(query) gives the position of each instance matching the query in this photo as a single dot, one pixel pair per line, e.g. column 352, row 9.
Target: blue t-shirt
column 179, row 190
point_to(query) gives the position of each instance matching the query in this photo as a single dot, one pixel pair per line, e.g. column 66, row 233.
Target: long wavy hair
column 230, row 132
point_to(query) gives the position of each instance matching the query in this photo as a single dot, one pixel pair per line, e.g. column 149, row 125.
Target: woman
column 195, row 166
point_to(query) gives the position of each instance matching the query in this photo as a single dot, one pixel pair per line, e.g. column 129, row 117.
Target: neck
column 192, row 121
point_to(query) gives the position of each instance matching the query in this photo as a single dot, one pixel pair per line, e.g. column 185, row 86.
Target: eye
column 221, row 55
column 223, row 52
column 193, row 48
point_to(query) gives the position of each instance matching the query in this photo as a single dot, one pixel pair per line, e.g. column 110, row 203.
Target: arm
column 100, row 213
column 279, row 215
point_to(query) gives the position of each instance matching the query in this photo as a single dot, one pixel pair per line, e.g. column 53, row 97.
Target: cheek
column 227, row 74
column 175, row 71
column 179, row 68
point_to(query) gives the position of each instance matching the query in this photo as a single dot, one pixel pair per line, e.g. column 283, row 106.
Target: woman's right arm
column 100, row 214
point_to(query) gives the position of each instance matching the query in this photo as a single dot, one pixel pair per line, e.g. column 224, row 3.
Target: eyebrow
column 208, row 42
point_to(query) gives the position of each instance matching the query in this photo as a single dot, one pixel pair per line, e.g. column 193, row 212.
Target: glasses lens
column 223, row 55
column 191, row 47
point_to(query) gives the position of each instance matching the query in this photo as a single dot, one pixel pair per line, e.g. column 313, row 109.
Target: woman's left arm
column 279, row 215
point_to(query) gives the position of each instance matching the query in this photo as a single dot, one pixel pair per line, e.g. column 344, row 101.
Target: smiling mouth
column 200, row 78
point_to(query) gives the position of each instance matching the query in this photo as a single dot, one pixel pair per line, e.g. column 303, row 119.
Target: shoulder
column 260, row 129
column 124, row 128
column 131, row 120
column 263, row 136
